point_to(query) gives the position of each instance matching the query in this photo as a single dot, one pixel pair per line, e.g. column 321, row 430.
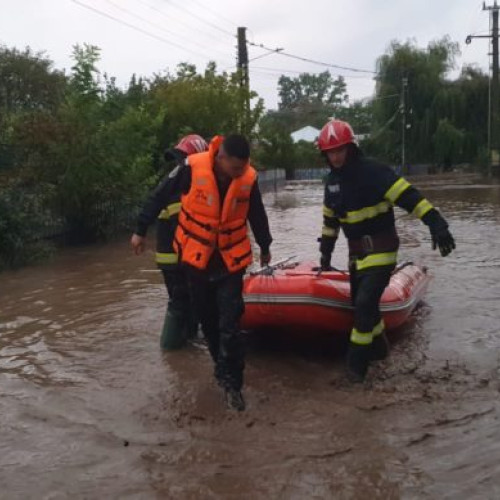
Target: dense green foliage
column 91, row 150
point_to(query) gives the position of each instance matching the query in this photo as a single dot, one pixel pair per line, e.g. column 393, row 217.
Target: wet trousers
column 180, row 320
column 367, row 288
column 219, row 306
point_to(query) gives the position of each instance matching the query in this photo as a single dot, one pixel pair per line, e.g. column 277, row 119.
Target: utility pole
column 245, row 77
column 404, row 85
column 494, row 111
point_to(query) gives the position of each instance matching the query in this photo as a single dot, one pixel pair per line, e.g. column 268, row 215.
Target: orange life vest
column 205, row 226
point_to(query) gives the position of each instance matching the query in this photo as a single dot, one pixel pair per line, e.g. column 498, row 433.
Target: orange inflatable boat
column 295, row 296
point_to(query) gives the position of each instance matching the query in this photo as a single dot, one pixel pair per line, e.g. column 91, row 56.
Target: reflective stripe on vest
column 422, row 208
column 396, row 190
column 172, row 209
column 366, row 213
column 166, row 258
column 377, row 259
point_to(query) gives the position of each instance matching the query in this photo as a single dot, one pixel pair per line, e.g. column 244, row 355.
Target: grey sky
column 348, row 33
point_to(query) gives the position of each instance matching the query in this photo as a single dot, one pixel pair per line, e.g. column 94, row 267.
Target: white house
column 308, row 134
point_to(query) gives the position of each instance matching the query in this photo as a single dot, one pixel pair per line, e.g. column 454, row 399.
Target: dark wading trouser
column 180, row 320
column 367, row 288
column 219, row 306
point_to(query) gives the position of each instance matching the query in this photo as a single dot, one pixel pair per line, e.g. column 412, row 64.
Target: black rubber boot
column 234, row 400
column 173, row 334
column 358, row 360
column 380, row 347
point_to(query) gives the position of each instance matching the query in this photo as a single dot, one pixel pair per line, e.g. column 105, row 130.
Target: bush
column 21, row 223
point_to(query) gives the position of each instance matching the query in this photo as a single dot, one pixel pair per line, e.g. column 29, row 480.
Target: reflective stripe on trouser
column 366, row 338
column 329, row 232
column 166, row 258
column 367, row 289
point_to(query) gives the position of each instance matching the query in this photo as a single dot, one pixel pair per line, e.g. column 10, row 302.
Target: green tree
column 207, row 104
column 431, row 97
column 312, row 88
column 448, row 143
column 28, row 81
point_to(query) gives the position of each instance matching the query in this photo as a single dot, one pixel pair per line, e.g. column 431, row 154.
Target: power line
column 204, row 21
column 291, row 71
column 180, row 21
column 263, row 55
column 136, row 28
column 157, row 26
column 312, row 61
column 216, row 14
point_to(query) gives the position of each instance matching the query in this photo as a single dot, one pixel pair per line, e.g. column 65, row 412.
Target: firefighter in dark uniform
column 180, row 323
column 359, row 197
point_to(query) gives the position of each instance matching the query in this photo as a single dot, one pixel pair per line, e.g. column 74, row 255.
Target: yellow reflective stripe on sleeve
column 329, row 231
column 379, row 328
column 361, row 338
column 366, row 213
column 327, row 212
column 166, row 258
column 172, row 209
column 396, row 190
column 422, row 208
column 377, row 259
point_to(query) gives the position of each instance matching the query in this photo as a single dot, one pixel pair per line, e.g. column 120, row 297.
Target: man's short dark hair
column 237, row 146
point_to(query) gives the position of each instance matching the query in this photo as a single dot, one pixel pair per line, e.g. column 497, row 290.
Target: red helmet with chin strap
column 335, row 134
column 191, row 144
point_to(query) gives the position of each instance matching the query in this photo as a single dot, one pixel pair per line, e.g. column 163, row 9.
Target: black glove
column 325, row 262
column 441, row 236
column 443, row 239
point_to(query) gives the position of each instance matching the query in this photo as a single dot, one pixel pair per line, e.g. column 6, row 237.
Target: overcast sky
column 347, row 33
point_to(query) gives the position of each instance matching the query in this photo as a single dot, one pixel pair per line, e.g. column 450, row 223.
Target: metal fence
column 309, row 174
column 271, row 180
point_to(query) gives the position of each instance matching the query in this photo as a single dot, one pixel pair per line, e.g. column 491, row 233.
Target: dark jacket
column 359, row 197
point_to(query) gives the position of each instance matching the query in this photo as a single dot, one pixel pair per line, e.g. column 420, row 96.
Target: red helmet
column 191, row 144
column 335, row 134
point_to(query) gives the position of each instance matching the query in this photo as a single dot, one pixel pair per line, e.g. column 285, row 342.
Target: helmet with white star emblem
column 335, row 134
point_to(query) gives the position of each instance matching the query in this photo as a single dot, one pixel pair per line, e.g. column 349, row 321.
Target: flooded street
column 91, row 408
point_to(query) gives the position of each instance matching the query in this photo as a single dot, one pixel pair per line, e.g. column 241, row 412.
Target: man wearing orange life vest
column 220, row 194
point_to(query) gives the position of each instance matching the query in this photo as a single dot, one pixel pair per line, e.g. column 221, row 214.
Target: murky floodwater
column 90, row 407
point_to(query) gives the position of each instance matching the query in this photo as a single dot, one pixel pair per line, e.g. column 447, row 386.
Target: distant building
column 361, row 137
column 308, row 134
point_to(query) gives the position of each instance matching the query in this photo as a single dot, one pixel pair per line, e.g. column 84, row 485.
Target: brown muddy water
column 90, row 408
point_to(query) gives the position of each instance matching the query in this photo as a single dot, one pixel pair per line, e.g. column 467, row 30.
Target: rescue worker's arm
column 259, row 223
column 179, row 180
column 329, row 234
column 400, row 192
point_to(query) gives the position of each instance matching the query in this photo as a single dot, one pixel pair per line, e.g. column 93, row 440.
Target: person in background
column 180, row 321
